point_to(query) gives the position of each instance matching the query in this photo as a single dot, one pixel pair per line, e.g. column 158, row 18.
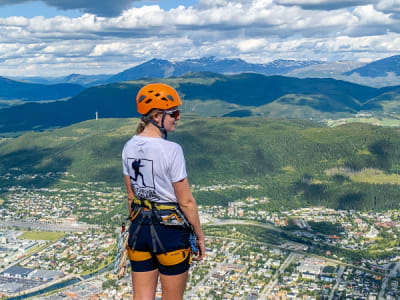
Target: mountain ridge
column 379, row 68
column 12, row 89
column 201, row 92
column 381, row 73
column 159, row 68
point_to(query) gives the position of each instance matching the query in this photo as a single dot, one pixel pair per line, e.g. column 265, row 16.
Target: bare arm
column 188, row 205
column 129, row 191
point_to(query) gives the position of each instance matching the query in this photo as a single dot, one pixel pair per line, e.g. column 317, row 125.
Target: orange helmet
column 156, row 95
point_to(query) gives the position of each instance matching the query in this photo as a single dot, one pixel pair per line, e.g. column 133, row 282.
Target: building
column 45, row 275
column 16, row 272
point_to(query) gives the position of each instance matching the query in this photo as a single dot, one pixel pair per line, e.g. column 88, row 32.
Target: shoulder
column 172, row 146
column 128, row 143
column 130, row 140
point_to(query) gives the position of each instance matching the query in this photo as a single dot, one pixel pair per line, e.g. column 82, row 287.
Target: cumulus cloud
column 389, row 6
column 269, row 29
column 102, row 8
column 324, row 4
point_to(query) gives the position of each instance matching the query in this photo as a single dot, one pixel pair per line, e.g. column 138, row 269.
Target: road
column 338, row 279
column 245, row 222
column 392, row 274
column 274, row 279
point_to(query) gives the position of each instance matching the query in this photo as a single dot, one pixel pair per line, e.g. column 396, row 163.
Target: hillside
column 81, row 79
column 17, row 90
column 379, row 68
column 206, row 94
column 295, row 163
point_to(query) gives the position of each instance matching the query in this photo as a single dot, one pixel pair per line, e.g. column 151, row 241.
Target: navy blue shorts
column 172, row 238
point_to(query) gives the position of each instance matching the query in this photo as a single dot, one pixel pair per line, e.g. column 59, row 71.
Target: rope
column 122, row 253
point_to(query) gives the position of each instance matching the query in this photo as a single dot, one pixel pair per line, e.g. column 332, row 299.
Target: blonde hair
column 144, row 120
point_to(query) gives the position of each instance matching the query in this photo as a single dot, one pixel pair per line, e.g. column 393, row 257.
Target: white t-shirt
column 153, row 165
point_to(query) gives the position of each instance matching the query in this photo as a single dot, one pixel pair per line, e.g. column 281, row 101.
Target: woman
column 162, row 209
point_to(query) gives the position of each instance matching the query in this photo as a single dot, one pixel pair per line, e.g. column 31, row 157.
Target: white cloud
column 65, row 47
column 116, row 48
column 388, row 5
column 252, row 45
column 368, row 15
column 255, row 30
column 325, row 4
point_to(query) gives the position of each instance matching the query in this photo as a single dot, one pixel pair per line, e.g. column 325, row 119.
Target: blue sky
column 39, row 8
column 36, row 8
column 59, row 37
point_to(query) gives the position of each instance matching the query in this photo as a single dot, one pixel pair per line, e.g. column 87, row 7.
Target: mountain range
column 159, row 68
column 378, row 73
column 210, row 94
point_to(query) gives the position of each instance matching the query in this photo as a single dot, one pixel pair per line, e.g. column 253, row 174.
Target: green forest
column 294, row 163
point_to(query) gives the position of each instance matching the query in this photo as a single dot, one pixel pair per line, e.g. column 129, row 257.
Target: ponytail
column 144, row 120
column 142, row 124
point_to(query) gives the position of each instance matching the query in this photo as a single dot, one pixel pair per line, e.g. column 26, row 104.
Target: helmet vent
column 158, row 94
column 165, row 99
column 142, row 98
column 148, row 101
column 170, row 98
column 151, row 91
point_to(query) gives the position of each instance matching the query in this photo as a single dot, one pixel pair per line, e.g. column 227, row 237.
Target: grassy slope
column 290, row 160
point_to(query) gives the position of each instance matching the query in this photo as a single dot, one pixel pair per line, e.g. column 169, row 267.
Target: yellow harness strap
column 174, row 257
column 136, row 255
column 164, row 207
column 149, row 205
column 166, row 218
column 145, row 203
column 134, row 215
column 166, row 259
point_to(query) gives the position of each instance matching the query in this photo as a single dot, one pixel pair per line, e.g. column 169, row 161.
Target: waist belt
column 164, row 213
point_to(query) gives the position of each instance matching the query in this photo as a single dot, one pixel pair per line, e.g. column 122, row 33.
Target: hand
column 202, row 250
column 130, row 204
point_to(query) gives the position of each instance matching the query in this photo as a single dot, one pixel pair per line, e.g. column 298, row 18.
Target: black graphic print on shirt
column 142, row 177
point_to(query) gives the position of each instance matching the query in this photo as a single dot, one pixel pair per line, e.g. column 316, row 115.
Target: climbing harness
column 168, row 214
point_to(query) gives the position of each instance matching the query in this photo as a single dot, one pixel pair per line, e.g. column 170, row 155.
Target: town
column 50, row 236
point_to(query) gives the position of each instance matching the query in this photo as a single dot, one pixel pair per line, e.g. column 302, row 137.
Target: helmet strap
column 161, row 128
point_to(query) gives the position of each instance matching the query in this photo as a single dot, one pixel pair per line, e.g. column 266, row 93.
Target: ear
column 157, row 117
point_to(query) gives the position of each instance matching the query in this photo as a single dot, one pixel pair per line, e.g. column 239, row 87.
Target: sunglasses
column 173, row 113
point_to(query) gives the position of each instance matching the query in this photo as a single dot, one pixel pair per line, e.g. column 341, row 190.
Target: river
column 62, row 284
